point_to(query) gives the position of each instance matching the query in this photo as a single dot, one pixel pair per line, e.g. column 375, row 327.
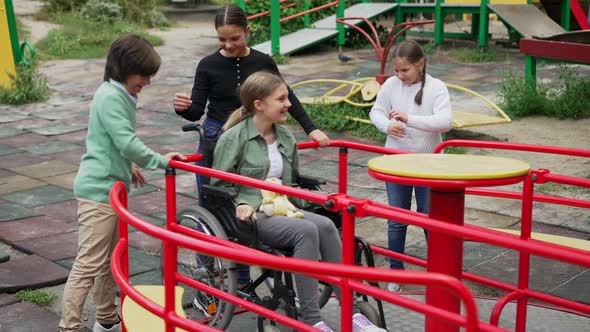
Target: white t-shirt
column 426, row 122
column 276, row 161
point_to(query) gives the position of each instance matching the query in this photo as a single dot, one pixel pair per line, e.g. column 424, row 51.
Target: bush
column 144, row 12
column 28, row 86
column 567, row 98
column 84, row 39
column 101, row 11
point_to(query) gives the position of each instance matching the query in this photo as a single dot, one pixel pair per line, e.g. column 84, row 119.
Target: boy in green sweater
column 112, row 148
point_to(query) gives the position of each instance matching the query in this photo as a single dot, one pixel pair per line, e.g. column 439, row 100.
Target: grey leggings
column 314, row 237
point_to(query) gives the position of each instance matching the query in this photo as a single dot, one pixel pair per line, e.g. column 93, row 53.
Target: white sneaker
column 393, row 287
column 360, row 323
column 99, row 328
column 323, row 327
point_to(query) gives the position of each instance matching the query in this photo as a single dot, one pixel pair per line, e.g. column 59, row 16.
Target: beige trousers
column 97, row 236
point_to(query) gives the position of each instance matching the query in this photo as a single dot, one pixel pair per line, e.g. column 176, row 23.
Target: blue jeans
column 211, row 132
column 400, row 195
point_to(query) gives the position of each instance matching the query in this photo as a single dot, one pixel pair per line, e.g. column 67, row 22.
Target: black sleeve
column 199, row 96
column 296, row 110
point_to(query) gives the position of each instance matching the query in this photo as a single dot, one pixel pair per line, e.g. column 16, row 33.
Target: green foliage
column 42, row 298
column 477, row 54
column 333, row 117
column 281, row 59
column 142, row 12
column 567, row 98
column 83, row 39
column 28, row 86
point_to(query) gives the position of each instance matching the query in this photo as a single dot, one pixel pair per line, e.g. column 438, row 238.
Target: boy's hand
column 137, row 177
column 174, row 155
column 181, row 102
column 396, row 130
column 245, row 212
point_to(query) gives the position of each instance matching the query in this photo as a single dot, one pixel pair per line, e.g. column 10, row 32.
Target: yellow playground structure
column 12, row 53
column 367, row 88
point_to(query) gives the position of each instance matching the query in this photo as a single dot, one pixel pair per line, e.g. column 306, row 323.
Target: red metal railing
column 341, row 274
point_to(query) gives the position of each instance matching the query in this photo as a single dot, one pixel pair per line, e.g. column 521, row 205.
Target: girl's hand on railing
column 320, row 137
column 245, row 212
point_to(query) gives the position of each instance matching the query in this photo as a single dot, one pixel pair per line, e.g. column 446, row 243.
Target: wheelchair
column 216, row 217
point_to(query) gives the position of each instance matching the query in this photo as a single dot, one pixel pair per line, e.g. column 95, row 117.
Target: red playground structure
column 453, row 177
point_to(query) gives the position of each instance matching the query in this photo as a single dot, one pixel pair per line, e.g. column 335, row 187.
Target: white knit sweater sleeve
column 441, row 119
column 380, row 111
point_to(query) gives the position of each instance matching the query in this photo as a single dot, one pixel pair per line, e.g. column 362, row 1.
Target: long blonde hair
column 256, row 87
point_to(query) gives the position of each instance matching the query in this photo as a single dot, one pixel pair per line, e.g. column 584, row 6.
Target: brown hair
column 413, row 53
column 256, row 87
column 231, row 15
column 131, row 54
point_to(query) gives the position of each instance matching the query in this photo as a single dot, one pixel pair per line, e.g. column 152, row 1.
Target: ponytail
column 418, row 98
column 236, row 117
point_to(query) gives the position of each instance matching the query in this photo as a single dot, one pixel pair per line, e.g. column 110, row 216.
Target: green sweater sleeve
column 118, row 123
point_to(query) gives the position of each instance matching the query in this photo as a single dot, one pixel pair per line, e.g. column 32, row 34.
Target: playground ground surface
column 41, row 145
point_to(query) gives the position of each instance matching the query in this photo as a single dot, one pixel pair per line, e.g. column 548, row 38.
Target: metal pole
column 484, row 22
column 439, row 23
column 275, row 27
column 524, row 258
column 340, row 26
column 170, row 254
column 445, row 254
column 566, row 14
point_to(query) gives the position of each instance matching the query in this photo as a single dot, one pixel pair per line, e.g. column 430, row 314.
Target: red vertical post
column 124, row 234
column 342, row 170
column 524, row 261
column 347, row 259
column 170, row 256
column 445, row 254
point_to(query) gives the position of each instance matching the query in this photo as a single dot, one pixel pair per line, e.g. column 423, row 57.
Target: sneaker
column 98, row 327
column 360, row 323
column 205, row 303
column 323, row 327
column 393, row 287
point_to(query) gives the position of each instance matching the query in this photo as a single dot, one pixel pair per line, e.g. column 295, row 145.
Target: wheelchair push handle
column 191, row 127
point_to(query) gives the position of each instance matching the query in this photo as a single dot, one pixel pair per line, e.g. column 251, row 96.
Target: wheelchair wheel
column 325, row 291
column 370, row 312
column 213, row 271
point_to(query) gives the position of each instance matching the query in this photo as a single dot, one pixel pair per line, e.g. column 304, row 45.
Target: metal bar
column 514, row 146
column 275, row 27
column 315, row 9
column 170, row 250
column 524, row 260
column 559, row 50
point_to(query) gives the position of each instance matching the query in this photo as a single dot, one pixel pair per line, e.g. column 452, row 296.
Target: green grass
column 568, row 97
column 333, row 117
column 281, row 59
column 42, row 298
column 83, row 39
column 28, row 86
column 475, row 54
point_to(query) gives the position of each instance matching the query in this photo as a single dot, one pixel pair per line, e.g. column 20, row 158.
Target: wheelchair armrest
column 308, row 182
column 217, row 192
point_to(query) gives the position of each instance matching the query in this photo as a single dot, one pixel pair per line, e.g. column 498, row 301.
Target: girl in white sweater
column 412, row 109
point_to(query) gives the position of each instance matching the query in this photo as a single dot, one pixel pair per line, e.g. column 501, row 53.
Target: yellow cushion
column 138, row 319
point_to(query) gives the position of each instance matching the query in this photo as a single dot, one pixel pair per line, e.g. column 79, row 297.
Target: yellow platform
column 449, row 166
column 138, row 319
column 556, row 239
